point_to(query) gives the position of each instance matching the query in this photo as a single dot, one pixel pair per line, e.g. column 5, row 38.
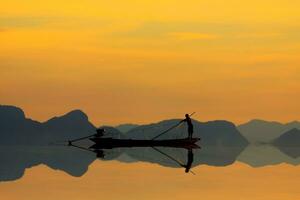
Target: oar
column 171, row 128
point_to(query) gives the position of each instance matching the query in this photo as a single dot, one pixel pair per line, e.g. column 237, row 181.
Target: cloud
column 259, row 35
column 23, row 22
column 178, row 30
column 193, row 36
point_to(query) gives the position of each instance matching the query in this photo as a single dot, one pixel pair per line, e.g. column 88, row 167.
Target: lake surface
column 218, row 172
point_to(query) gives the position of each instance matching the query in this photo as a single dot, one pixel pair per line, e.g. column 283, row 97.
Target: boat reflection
column 104, row 153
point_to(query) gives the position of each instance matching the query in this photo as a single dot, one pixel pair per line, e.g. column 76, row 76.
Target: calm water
column 217, row 172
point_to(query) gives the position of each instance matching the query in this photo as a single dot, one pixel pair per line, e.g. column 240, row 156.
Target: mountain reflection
column 76, row 160
column 15, row 159
column 264, row 155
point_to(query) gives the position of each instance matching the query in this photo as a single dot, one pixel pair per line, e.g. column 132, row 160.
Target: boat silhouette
column 109, row 143
column 102, row 142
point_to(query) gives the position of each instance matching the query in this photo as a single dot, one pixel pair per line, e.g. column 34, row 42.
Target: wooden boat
column 109, row 143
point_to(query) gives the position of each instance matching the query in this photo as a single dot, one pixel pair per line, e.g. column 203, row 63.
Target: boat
column 102, row 142
column 109, row 143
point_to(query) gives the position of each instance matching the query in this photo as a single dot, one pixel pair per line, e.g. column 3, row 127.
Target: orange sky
column 114, row 180
column 143, row 61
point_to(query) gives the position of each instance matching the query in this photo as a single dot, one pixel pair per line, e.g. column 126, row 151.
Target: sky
column 144, row 61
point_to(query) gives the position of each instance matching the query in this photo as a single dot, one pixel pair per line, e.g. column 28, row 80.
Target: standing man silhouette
column 188, row 120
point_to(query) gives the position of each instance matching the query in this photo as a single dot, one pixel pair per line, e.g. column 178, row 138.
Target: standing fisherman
column 188, row 120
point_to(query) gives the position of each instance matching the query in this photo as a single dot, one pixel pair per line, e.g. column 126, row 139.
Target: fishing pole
column 171, row 128
column 167, row 130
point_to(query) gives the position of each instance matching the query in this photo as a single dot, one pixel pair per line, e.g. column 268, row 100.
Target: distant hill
column 212, row 133
column 289, row 143
column 290, row 138
column 124, row 128
column 257, row 131
column 72, row 125
column 15, row 128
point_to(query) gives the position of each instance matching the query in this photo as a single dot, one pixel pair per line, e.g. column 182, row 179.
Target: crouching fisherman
column 100, row 132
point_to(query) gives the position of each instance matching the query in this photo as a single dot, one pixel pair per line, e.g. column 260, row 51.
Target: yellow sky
column 114, row 180
column 143, row 61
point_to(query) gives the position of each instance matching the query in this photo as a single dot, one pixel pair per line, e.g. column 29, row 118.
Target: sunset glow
column 143, row 61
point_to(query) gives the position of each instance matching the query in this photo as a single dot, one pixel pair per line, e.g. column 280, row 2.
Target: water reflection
column 75, row 160
column 264, row 155
column 15, row 159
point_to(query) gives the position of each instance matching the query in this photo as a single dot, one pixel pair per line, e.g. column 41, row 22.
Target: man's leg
column 190, row 133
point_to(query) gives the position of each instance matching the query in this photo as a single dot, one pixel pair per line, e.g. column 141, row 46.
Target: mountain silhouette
column 15, row 128
column 23, row 143
column 257, row 131
column 72, row 125
column 213, row 132
column 290, row 138
column 124, row 128
column 289, row 143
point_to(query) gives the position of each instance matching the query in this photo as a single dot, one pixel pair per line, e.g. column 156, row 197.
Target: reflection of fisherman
column 190, row 160
column 100, row 132
column 188, row 120
column 99, row 153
